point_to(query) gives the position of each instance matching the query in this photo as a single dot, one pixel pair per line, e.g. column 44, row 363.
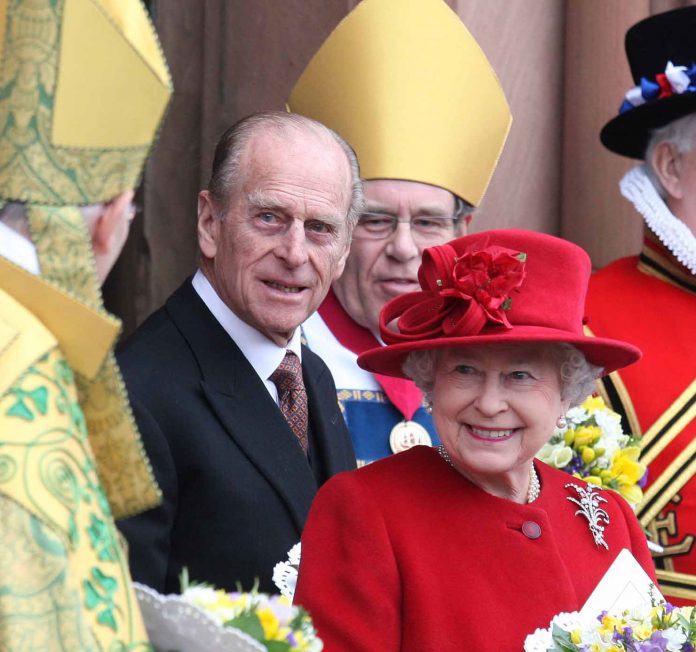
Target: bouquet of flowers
column 660, row 628
column 206, row 619
column 270, row 619
column 593, row 447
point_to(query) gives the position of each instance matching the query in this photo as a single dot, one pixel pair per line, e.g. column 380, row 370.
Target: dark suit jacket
column 237, row 486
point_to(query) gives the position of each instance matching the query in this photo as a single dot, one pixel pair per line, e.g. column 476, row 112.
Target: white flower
column 577, row 415
column 556, row 455
column 676, row 637
column 572, row 620
column 539, row 641
column 294, row 554
column 610, row 423
column 200, row 595
column 285, row 572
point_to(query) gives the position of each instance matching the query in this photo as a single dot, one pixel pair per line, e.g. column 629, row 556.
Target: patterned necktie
column 292, row 396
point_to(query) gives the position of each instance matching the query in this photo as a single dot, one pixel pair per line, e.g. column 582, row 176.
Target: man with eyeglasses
column 427, row 148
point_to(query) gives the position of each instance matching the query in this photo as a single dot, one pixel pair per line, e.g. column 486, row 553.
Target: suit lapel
column 243, row 406
column 327, row 422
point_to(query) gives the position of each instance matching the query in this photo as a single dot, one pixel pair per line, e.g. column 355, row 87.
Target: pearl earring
column 561, row 422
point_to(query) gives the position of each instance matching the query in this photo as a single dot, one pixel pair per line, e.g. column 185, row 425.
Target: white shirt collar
column 263, row 354
column 18, row 249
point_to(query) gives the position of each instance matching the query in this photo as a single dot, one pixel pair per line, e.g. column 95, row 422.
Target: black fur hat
column 651, row 45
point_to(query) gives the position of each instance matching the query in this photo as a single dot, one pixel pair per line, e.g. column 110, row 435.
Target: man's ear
column 208, row 225
column 341, row 264
column 106, row 227
column 666, row 163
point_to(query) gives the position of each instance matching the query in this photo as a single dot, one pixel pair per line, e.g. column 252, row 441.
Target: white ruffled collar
column 671, row 231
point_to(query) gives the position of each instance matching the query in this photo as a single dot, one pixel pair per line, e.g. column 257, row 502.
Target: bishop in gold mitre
column 407, row 85
column 83, row 89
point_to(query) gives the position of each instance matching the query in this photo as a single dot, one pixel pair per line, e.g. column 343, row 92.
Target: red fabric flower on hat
column 461, row 294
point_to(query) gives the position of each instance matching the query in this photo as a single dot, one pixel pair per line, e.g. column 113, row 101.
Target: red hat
column 508, row 285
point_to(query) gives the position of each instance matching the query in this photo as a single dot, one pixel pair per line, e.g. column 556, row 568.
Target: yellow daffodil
column 625, row 466
column 594, row 403
column 269, row 622
column 586, row 435
column 643, row 631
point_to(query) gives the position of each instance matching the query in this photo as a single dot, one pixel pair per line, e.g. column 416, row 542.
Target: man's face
column 378, row 270
column 284, row 238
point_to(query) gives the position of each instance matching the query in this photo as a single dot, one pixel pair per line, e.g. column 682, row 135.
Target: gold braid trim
column 677, row 585
column 613, row 390
column 667, row 485
column 670, row 424
column 65, row 255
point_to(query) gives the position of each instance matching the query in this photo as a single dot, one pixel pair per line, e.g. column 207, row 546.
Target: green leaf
column 20, row 409
column 249, row 624
column 521, row 256
column 39, row 397
column 277, row 646
column 562, row 639
column 108, row 583
column 92, row 598
column 106, row 617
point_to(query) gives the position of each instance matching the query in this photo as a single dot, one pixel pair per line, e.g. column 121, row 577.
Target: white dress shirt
column 263, row 354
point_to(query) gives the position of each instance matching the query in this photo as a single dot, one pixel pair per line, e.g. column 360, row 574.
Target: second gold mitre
column 406, row 84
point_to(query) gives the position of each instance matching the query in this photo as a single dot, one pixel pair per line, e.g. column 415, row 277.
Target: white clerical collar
column 18, row 249
column 263, row 354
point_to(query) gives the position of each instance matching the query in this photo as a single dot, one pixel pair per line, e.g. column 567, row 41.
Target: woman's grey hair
column 680, row 133
column 578, row 376
column 232, row 144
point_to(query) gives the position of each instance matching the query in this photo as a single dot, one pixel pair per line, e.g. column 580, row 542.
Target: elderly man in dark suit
column 239, row 419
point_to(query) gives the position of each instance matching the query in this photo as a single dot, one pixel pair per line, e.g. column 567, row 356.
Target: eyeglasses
column 426, row 229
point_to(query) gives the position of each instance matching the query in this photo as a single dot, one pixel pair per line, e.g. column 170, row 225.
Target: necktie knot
column 292, row 396
column 288, row 376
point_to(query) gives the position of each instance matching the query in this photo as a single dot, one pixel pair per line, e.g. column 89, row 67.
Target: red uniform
column 407, row 554
column 650, row 301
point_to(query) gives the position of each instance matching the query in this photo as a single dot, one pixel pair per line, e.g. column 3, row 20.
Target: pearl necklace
column 534, row 485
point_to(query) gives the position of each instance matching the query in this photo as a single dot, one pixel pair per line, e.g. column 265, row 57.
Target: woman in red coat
column 473, row 545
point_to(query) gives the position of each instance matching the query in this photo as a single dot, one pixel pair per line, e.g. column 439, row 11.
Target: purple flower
column 656, row 643
column 687, row 647
column 601, row 615
column 668, row 607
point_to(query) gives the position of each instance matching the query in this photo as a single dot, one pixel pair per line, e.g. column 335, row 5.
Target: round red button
column 531, row 530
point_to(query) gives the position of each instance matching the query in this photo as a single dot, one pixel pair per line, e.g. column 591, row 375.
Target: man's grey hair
column 461, row 209
column 577, row 375
column 232, row 144
column 680, row 133
column 14, row 215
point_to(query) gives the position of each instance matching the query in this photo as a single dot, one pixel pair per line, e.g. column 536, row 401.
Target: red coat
column 407, row 554
column 651, row 302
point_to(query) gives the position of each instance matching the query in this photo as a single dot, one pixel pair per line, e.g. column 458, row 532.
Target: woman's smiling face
column 494, row 407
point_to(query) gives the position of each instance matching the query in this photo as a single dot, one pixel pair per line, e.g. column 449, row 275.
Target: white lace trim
column 672, row 232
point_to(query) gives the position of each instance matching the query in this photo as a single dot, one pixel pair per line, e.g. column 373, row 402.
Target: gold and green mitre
column 406, row 84
column 83, row 90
